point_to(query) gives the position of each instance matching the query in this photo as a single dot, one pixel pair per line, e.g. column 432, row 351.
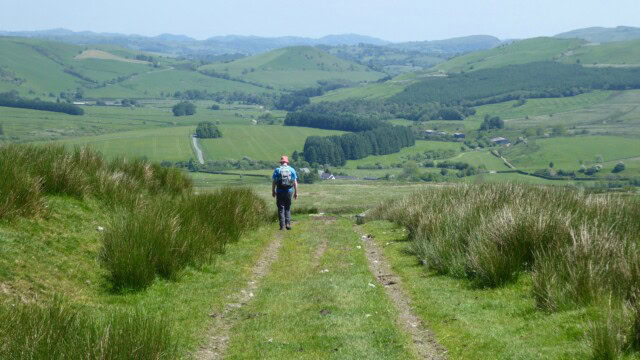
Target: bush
column 58, row 331
column 619, row 167
column 208, row 130
column 184, row 108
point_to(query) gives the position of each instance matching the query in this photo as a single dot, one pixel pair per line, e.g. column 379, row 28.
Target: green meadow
column 258, row 142
column 294, row 68
column 519, row 52
column 569, row 152
column 168, row 143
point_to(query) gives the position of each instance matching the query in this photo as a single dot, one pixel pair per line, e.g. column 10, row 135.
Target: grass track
column 306, row 314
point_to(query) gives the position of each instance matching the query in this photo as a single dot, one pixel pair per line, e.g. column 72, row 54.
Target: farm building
column 305, row 170
column 345, row 178
column 327, row 176
column 459, row 135
column 500, row 141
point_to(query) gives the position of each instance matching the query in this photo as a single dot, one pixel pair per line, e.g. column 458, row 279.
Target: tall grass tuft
column 164, row 236
column 58, row 331
column 31, row 172
column 20, row 192
column 581, row 249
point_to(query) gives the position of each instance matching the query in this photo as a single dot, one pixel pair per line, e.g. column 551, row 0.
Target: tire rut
column 224, row 320
column 425, row 344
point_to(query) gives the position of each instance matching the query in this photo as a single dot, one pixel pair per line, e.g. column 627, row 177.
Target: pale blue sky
column 394, row 20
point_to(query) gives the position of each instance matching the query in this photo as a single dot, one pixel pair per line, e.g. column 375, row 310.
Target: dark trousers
column 283, row 201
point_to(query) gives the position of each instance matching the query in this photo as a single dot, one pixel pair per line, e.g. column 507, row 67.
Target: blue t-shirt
column 276, row 174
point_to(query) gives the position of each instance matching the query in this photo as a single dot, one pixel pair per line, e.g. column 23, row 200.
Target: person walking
column 284, row 185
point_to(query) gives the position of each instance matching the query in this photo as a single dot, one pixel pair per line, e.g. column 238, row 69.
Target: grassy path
column 319, row 300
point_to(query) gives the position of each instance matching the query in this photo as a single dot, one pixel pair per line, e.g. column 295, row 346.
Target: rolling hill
column 519, row 52
column 45, row 69
column 293, row 68
column 625, row 53
column 602, row 34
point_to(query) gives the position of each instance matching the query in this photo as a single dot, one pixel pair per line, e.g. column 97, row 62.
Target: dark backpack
column 285, row 180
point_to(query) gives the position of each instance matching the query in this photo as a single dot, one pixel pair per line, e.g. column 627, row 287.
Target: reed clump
column 581, row 249
column 32, row 172
column 60, row 331
column 166, row 235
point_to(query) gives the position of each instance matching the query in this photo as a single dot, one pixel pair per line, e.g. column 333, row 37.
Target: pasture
column 294, row 68
column 420, row 147
column 568, row 153
column 167, row 143
column 519, row 52
column 258, row 142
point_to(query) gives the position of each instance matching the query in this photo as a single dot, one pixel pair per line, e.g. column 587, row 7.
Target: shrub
column 184, row 108
column 619, row 167
column 208, row 130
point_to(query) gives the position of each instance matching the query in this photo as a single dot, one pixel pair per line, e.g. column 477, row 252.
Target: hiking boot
column 288, row 227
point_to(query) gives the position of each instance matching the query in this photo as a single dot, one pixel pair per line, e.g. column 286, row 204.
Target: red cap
column 284, row 159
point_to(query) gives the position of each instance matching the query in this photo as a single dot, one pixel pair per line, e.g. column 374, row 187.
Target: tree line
column 336, row 150
column 534, row 80
column 11, row 99
column 332, row 121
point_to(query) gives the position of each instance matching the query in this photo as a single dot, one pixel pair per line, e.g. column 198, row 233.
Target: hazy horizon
column 402, row 20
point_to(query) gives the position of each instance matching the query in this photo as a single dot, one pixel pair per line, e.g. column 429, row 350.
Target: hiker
column 285, row 184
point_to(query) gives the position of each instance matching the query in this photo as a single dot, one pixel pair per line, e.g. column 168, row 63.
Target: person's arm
column 295, row 189
column 273, row 183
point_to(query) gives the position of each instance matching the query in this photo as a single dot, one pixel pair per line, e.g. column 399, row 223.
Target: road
column 197, row 149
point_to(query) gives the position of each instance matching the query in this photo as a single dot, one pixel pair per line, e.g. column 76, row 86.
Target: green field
column 519, row 52
column 615, row 53
column 615, row 114
column 168, row 81
column 169, row 143
column 258, row 142
column 567, row 152
column 399, row 157
column 294, row 68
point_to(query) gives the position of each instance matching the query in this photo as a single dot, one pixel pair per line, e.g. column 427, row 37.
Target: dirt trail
column 224, row 319
column 425, row 344
column 322, row 247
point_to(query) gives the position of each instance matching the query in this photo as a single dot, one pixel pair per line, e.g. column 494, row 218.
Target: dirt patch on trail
column 226, row 318
column 320, row 250
column 425, row 344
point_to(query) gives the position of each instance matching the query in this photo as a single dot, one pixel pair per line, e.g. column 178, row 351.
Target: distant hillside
column 625, row 53
column 186, row 46
column 603, row 35
column 48, row 69
column 452, row 46
column 519, row 52
column 293, row 68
